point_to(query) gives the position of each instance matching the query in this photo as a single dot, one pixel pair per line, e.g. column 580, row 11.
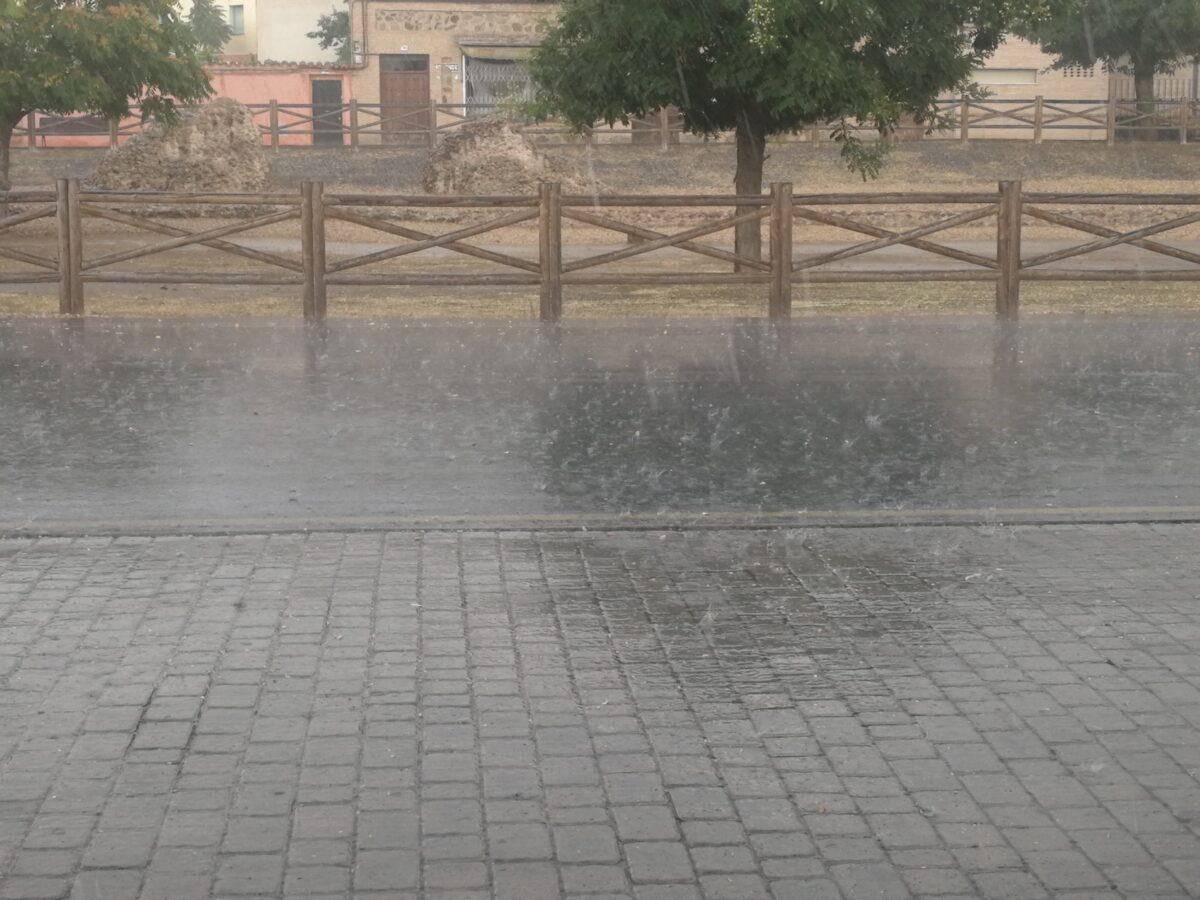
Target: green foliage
column 98, row 56
column 769, row 66
column 333, row 30
column 208, row 24
column 1137, row 37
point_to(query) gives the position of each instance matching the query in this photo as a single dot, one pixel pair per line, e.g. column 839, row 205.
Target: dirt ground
column 693, row 168
column 688, row 168
column 603, row 302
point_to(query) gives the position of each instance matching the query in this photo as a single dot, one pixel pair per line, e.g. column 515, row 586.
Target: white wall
column 282, row 25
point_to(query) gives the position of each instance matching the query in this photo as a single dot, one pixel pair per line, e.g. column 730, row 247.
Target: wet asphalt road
column 187, row 423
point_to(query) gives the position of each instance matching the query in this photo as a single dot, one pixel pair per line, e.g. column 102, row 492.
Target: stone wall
column 505, row 24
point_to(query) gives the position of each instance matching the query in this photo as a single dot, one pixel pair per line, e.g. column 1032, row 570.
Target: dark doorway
column 327, row 113
column 404, row 98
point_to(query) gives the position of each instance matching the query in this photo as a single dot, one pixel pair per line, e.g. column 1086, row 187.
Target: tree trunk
column 1143, row 90
column 748, row 179
column 6, row 133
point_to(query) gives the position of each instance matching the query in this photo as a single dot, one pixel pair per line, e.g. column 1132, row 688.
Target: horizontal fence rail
column 310, row 264
column 356, row 125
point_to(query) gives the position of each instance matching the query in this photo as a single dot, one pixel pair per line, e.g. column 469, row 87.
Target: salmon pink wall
column 290, row 87
column 256, row 86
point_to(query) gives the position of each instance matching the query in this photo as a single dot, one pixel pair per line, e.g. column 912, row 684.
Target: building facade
column 274, row 30
column 1021, row 70
column 409, row 52
column 283, row 27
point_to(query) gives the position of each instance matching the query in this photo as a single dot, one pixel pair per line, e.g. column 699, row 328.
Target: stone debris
column 217, row 147
column 490, row 156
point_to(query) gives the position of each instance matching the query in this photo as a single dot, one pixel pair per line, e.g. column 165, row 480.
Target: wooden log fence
column 356, row 125
column 554, row 270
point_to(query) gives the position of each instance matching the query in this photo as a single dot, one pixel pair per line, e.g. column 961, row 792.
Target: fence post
column 1008, row 250
column 75, row 215
column 306, row 248
column 273, row 124
column 1184, row 117
column 70, row 247
column 318, row 250
column 1110, row 126
column 964, row 120
column 1038, row 116
column 62, row 189
column 550, row 249
column 31, row 136
column 780, row 306
column 353, row 124
column 433, row 123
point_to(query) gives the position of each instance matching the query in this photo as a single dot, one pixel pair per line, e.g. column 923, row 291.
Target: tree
column 99, row 56
column 207, row 21
column 765, row 67
column 333, row 30
column 1142, row 38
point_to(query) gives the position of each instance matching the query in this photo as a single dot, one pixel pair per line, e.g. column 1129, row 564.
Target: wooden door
column 327, row 113
column 404, row 98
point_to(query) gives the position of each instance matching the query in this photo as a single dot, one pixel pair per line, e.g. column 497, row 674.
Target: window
column 494, row 79
column 1079, row 72
column 237, row 19
column 403, row 62
column 1006, row 76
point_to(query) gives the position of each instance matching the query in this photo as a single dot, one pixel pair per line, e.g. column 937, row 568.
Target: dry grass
column 593, row 303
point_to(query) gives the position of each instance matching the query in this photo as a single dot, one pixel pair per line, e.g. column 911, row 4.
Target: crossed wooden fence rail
column 785, row 265
column 356, row 124
column 1115, row 117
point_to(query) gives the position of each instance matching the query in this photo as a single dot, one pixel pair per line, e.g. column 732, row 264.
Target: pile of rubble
column 491, row 157
column 217, row 147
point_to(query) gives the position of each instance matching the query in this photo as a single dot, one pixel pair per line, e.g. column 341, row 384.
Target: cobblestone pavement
column 874, row 713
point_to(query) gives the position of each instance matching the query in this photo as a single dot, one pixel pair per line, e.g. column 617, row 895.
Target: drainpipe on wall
column 358, row 57
column 365, row 56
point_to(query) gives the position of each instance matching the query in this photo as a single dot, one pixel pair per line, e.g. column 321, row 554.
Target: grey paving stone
column 386, row 870
column 525, row 881
column 519, row 840
column 101, row 885
column 319, row 879
column 986, row 745
column 595, row 879
column 120, row 849
column 455, row 876
column 666, row 892
column 249, row 874
column 875, row 880
column 34, row 887
column 658, row 861
column 645, row 823
column 807, row 889
column 585, row 844
column 724, row 859
column 733, row 887
column 701, row 803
